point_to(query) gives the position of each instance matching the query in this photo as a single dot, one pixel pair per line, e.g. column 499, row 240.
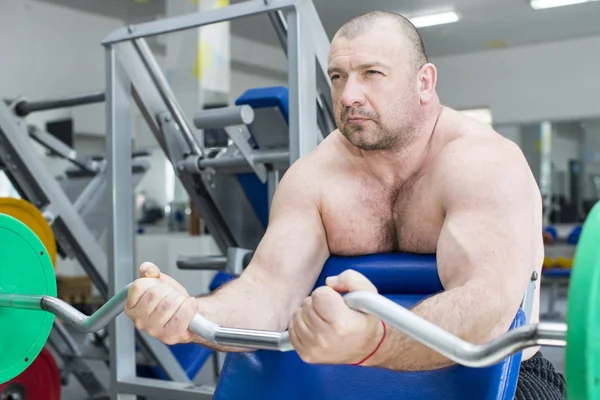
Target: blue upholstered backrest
column 276, row 96
column 256, row 191
column 404, row 278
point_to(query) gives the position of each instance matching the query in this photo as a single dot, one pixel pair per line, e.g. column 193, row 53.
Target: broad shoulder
column 481, row 165
column 330, row 155
column 311, row 173
column 488, row 150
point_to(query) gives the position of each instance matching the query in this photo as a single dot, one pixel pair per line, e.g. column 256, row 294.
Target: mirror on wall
column 564, row 157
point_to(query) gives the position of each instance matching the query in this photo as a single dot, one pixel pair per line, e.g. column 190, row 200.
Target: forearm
column 472, row 313
column 242, row 303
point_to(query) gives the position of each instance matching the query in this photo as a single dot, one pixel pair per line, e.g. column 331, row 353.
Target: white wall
column 89, row 145
column 526, row 84
column 50, row 50
column 255, row 65
column 242, row 81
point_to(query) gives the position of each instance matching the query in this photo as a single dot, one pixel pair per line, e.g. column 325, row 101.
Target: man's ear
column 427, row 82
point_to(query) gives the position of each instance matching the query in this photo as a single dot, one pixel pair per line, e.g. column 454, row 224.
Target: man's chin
column 362, row 143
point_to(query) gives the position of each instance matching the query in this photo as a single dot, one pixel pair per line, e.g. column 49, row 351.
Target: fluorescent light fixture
column 541, row 4
column 434, row 19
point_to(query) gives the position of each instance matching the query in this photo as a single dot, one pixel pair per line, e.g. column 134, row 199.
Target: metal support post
column 280, row 26
column 167, row 95
column 120, row 243
column 273, row 181
column 321, row 47
column 545, row 141
column 307, row 9
column 320, row 40
column 304, row 132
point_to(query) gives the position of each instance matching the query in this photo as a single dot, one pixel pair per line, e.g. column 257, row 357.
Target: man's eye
column 372, row 72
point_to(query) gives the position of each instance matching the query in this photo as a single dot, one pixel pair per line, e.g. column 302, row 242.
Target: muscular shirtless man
column 401, row 173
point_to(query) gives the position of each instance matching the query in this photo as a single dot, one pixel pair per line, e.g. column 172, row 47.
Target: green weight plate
column 583, row 314
column 25, row 268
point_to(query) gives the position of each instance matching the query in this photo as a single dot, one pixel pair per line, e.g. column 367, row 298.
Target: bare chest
column 363, row 219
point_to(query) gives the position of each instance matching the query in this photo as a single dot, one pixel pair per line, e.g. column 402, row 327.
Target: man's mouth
column 356, row 120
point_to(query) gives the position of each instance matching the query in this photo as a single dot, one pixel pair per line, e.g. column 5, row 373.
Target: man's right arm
column 283, row 270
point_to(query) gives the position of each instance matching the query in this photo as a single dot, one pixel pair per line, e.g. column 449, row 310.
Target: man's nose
column 353, row 94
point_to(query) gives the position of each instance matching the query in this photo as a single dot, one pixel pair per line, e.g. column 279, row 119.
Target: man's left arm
column 488, row 248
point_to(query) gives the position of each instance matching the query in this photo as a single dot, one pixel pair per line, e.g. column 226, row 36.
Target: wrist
column 374, row 346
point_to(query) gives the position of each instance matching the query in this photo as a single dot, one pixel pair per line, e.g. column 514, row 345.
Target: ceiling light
column 541, row 4
column 435, row 19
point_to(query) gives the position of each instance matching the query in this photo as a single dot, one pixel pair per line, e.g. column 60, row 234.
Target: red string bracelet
column 376, row 348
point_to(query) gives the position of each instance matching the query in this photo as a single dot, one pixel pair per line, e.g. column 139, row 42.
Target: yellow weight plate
column 33, row 218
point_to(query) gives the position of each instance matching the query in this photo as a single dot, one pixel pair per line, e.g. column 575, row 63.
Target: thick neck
column 394, row 167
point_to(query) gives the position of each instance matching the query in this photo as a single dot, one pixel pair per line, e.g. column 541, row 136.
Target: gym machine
column 68, row 207
column 30, row 329
column 206, row 175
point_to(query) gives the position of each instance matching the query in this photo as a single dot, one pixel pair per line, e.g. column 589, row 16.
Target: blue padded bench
column 406, row 279
column 267, row 103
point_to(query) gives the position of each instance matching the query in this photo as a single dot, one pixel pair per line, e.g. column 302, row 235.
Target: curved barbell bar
column 396, row 316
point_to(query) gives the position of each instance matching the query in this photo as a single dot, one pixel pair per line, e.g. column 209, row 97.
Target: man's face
column 374, row 89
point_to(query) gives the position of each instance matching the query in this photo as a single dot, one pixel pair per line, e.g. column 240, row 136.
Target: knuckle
column 349, row 273
column 166, row 305
column 167, row 340
column 322, row 342
column 139, row 325
column 179, row 318
column 339, row 328
column 150, row 296
column 320, row 291
column 321, row 299
column 317, row 296
column 163, row 337
column 307, row 357
column 297, row 317
column 176, row 322
column 307, row 302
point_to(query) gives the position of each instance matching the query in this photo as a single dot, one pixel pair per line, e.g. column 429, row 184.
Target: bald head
column 364, row 23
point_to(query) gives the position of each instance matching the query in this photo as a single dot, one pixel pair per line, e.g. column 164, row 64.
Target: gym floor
column 74, row 391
